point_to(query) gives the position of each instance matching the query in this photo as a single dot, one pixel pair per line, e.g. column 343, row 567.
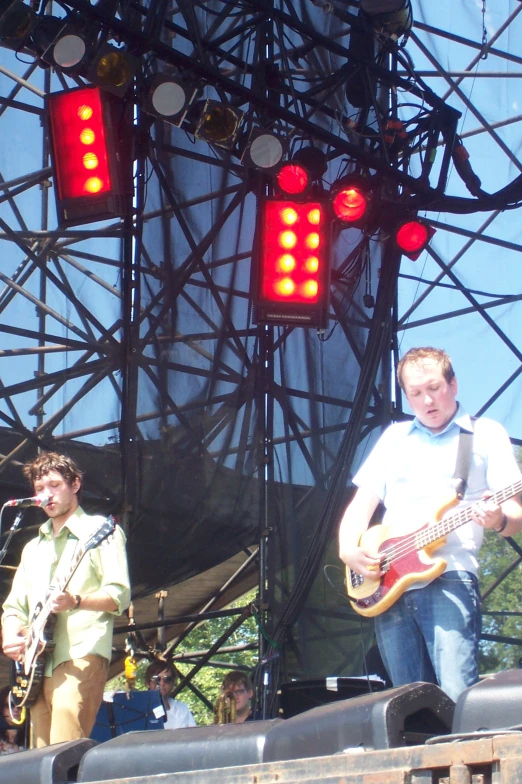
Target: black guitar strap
column 463, row 464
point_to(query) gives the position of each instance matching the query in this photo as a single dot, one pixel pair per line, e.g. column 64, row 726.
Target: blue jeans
column 432, row 634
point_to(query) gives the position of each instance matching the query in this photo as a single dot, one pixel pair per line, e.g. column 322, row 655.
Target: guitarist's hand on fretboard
column 487, row 514
column 62, row 602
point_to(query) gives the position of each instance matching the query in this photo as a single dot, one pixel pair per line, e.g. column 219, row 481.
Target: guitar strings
column 409, row 545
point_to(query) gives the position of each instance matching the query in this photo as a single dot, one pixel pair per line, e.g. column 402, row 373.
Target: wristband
column 78, row 600
column 503, row 525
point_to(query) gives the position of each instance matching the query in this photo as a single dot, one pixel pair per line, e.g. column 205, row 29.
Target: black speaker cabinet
column 56, row 764
column 298, row 696
column 173, row 751
column 495, row 702
column 403, row 716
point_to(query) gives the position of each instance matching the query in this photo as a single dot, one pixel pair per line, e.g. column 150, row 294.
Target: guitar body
column 372, row 597
column 26, row 688
column 405, row 559
column 27, row 676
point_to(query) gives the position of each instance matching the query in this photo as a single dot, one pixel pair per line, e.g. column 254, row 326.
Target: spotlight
column 219, row 124
column 297, row 176
column 113, row 69
column 412, row 236
column 168, row 97
column 391, row 17
column 17, row 21
column 293, row 179
column 351, row 199
column 61, row 44
column 69, row 51
column 264, row 149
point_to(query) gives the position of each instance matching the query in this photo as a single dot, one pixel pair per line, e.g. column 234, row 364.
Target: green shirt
column 104, row 568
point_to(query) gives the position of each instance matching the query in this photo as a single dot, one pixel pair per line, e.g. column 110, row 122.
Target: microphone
column 37, row 500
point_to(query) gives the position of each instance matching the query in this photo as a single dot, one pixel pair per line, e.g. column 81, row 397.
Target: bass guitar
column 406, row 558
column 27, row 673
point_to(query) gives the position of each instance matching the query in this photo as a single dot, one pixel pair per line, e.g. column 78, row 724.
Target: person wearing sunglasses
column 162, row 675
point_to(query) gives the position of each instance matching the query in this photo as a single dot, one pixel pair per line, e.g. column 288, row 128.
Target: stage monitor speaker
column 495, row 702
column 403, row 716
column 174, row 751
column 298, row 696
column 57, row 764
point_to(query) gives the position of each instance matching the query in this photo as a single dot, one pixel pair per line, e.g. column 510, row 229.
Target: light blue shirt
column 411, row 470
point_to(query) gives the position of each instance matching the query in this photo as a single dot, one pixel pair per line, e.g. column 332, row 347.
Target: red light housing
column 352, row 201
column 90, row 155
column 293, row 179
column 413, row 236
column 293, row 274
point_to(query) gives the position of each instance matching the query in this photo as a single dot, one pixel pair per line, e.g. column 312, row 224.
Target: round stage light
column 293, row 179
column 113, row 70
column 16, row 23
column 266, row 151
column 168, row 99
column 412, row 236
column 218, row 124
column 350, row 204
column 69, row 51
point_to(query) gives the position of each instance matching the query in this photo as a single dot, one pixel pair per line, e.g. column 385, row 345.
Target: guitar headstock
column 103, row 532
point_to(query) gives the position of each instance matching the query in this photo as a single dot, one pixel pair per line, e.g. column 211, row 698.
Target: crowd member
column 162, row 675
column 12, row 730
column 76, row 670
column 239, row 686
column 431, row 633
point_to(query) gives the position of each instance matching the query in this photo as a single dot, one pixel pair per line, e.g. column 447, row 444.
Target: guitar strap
column 463, row 463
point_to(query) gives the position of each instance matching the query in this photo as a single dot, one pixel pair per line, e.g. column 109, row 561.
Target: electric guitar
column 27, row 673
column 406, row 558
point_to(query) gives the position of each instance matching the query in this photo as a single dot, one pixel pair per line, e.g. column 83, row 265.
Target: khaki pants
column 66, row 707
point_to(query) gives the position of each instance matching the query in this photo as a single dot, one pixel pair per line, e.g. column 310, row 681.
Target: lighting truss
column 75, row 363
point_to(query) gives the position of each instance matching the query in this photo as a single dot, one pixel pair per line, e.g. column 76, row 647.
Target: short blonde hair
column 417, row 356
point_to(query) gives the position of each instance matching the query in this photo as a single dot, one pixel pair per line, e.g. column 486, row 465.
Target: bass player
column 75, row 671
column 431, row 631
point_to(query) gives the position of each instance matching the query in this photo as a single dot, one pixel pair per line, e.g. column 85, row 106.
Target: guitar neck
column 59, row 586
column 462, row 516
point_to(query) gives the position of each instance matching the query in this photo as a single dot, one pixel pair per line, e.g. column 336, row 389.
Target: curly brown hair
column 52, row 461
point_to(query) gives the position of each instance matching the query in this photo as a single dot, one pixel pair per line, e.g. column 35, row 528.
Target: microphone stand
column 14, row 528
